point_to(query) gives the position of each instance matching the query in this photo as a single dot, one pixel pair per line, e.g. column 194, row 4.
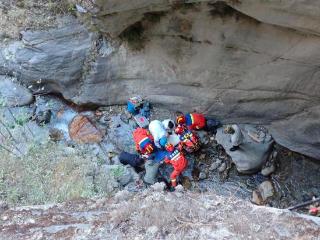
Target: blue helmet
column 163, row 141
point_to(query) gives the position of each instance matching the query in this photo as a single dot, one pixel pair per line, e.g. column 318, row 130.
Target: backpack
column 134, row 104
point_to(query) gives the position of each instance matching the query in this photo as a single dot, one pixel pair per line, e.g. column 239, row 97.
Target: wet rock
column 82, row 130
column 266, row 190
column 253, row 152
column 202, row 176
column 43, row 117
column 268, row 170
column 222, row 167
column 12, row 94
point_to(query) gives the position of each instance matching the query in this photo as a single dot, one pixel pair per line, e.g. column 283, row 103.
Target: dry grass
column 45, row 174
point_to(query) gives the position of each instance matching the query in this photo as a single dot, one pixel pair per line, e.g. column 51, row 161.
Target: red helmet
column 181, row 119
column 169, row 147
column 180, row 129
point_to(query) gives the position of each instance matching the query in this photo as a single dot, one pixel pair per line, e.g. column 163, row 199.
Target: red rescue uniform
column 195, row 121
column 143, row 141
column 179, row 163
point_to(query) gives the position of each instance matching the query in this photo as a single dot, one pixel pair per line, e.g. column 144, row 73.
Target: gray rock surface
column 12, row 94
column 204, row 56
column 268, row 170
column 252, row 155
column 107, row 218
column 50, row 60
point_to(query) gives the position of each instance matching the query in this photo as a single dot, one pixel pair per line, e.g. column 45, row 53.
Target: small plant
column 118, row 171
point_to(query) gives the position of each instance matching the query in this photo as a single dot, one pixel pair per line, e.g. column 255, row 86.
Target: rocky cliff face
column 154, row 214
column 242, row 61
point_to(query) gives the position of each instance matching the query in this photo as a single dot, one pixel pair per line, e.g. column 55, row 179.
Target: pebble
column 266, row 190
column 202, row 175
column 268, row 170
column 222, row 167
column 256, row 197
column 152, row 230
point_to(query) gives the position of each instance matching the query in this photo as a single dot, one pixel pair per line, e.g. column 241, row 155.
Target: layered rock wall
column 222, row 58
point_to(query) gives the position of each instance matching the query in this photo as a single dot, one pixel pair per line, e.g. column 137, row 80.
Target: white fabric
column 165, row 123
column 174, row 139
column 157, row 130
column 237, row 137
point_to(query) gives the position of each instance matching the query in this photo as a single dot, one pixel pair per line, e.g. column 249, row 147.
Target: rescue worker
column 159, row 134
column 188, row 140
column 197, row 121
column 168, row 125
column 178, row 162
column 143, row 141
column 236, row 136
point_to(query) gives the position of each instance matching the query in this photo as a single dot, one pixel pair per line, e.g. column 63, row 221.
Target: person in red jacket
column 197, row 121
column 143, row 141
column 193, row 121
column 178, row 162
column 189, row 140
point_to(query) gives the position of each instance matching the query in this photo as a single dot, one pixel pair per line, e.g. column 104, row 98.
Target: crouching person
column 178, row 162
column 197, row 121
column 144, row 146
column 143, row 141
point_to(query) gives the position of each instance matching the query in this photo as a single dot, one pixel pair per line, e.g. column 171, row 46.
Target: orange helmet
column 180, row 119
column 169, row 147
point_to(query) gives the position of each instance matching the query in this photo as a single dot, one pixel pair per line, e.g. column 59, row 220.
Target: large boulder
column 253, row 152
column 50, row 60
column 205, row 56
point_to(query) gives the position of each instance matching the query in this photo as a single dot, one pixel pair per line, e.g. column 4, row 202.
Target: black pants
column 133, row 160
column 212, row 125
